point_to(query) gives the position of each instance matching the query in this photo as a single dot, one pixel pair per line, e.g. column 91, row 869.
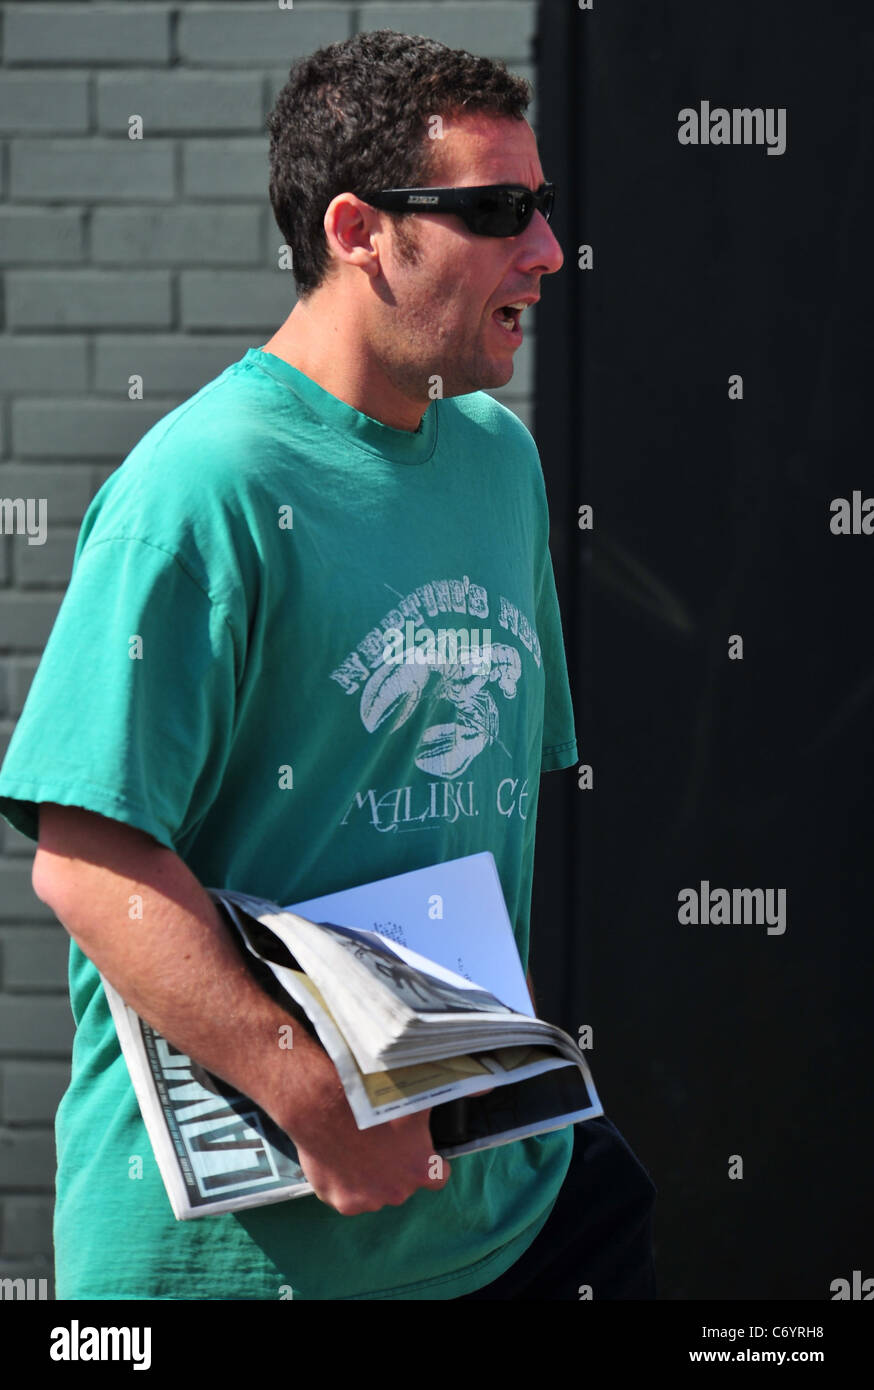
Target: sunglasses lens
column 511, row 211
column 524, row 210
column 505, row 212
column 496, row 214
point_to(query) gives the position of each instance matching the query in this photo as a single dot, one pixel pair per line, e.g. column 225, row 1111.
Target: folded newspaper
column 381, row 975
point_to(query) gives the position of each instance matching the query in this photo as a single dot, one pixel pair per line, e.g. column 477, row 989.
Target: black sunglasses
column 500, row 209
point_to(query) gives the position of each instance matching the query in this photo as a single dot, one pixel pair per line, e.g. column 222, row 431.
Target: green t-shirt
column 217, row 677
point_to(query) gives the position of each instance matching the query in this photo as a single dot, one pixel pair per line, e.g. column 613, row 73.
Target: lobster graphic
column 445, row 750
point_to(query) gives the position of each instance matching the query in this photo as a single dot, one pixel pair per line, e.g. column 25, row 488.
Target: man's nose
column 545, row 250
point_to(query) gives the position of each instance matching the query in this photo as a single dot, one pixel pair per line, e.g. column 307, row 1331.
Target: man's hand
column 357, row 1170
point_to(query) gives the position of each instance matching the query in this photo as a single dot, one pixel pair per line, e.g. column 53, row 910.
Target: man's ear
column 350, row 226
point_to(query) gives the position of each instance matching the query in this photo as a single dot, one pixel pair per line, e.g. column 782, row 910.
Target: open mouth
column 507, row 317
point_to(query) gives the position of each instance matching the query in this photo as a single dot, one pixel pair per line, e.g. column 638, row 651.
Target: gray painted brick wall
column 156, row 257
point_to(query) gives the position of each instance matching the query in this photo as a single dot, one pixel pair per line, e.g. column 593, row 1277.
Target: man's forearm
column 176, row 964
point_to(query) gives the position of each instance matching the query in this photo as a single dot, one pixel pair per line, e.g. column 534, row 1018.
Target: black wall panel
column 712, row 518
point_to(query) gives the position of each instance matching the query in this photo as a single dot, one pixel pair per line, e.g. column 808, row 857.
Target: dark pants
column 599, row 1233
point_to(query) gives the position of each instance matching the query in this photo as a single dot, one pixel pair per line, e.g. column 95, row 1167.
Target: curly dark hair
column 354, row 115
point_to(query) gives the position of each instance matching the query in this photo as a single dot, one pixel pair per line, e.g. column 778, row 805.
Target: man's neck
column 322, row 348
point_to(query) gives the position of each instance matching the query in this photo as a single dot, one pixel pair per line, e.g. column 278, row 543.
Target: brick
column 32, row 365
column 25, row 623
column 167, row 364
column 27, row 1159
column 41, row 1024
column 34, row 958
column 41, row 234
column 67, row 487
column 57, row 103
column 46, row 566
column 496, row 30
column 116, row 170
column 200, row 235
column 102, row 473
column 89, row 34
column 27, row 1226
column 31, row 1091
column 88, row 299
column 226, row 169
column 257, row 34
column 20, row 671
column 179, row 101
column 256, row 299
column 82, row 429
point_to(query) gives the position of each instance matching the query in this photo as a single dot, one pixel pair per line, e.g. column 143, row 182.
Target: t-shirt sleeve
column 131, row 710
column 559, row 739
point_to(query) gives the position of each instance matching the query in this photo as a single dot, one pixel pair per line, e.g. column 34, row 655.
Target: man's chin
column 488, row 374
column 495, row 375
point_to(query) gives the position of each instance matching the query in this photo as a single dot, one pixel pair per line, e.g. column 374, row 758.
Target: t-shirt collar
column 362, row 431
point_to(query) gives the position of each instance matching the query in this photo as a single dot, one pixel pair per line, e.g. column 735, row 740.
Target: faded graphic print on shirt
column 391, row 687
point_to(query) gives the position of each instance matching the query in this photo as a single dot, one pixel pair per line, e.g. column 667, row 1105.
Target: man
column 215, row 706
